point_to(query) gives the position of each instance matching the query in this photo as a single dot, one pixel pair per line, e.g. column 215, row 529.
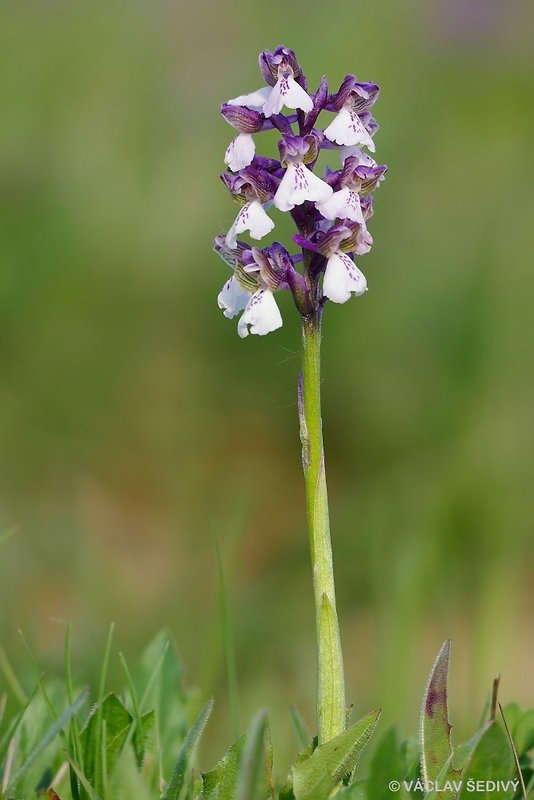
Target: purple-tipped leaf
column 436, row 750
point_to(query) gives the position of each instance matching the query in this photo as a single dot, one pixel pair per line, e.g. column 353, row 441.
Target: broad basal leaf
column 331, row 761
column 101, row 751
column 223, row 777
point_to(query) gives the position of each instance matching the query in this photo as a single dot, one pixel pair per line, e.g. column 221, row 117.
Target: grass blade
column 187, row 753
column 74, row 731
column 228, row 640
column 252, row 778
column 11, row 678
column 100, row 702
column 303, row 735
column 56, row 728
column 514, row 752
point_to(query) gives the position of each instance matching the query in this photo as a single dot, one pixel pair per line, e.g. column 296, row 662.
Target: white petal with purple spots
column 232, row 298
column 253, row 218
column 342, row 277
column 300, row 184
column 348, row 129
column 286, row 92
column 262, row 315
column 344, row 204
column 240, row 152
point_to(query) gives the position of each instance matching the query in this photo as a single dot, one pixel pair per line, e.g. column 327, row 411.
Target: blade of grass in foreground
column 303, row 735
column 11, row 678
column 228, row 640
column 74, row 731
column 187, row 753
column 56, row 728
column 252, row 776
column 101, row 691
column 514, row 753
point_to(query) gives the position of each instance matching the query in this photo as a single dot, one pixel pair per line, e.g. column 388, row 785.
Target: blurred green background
column 133, row 421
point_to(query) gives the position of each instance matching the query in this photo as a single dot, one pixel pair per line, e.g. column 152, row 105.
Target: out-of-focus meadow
column 134, row 422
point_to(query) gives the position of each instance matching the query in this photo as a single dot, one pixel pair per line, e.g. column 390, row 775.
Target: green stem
column 331, row 710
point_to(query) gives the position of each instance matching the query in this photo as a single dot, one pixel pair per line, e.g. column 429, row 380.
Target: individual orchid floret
column 282, row 71
column 280, row 58
column 253, row 218
column 343, row 204
column 246, row 121
column 286, row 85
column 348, row 129
column 299, row 183
column 286, row 92
column 356, row 179
column 252, row 187
column 250, row 290
column 352, row 100
column 342, row 277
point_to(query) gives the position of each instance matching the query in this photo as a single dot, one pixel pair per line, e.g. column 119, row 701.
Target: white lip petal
column 260, row 223
column 347, row 129
column 341, row 278
column 262, row 315
column 344, row 204
column 300, row 184
column 253, row 218
column 232, row 298
column 254, row 100
column 240, row 152
column 287, row 92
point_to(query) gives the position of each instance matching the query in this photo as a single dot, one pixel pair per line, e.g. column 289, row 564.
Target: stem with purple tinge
column 331, row 710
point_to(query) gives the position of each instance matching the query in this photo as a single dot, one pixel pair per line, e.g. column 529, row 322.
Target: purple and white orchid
column 330, row 210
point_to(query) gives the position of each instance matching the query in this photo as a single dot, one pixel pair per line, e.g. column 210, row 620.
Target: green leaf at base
column 316, row 777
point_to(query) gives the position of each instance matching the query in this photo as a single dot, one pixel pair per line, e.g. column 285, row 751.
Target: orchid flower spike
column 330, row 209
